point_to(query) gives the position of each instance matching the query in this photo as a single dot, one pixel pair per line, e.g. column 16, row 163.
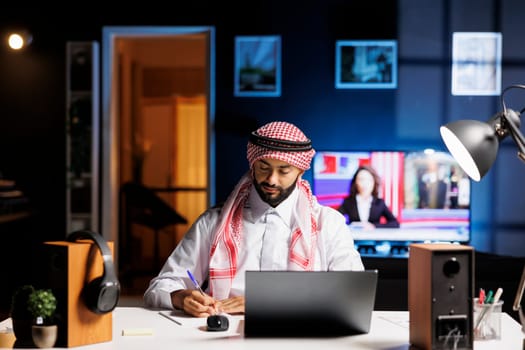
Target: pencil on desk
column 170, row 318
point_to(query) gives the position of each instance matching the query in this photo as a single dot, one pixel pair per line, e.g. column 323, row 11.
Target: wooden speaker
column 68, row 267
column 440, row 296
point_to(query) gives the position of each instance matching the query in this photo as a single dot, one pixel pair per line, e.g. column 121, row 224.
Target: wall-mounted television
column 426, row 190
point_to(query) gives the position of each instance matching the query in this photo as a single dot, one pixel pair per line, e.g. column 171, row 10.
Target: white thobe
column 265, row 246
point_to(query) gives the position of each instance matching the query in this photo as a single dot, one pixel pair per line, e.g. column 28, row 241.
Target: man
column 270, row 221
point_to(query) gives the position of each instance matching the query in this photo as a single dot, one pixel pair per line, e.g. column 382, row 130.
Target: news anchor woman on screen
column 363, row 207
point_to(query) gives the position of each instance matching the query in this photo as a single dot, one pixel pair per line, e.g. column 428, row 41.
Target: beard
column 273, row 199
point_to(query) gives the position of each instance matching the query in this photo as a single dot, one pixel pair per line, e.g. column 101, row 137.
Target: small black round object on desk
column 217, row 323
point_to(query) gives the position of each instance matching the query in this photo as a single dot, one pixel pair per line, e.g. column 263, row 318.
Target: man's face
column 274, row 179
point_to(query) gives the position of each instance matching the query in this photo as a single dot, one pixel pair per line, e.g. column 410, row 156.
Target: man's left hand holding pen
column 194, row 301
column 199, row 304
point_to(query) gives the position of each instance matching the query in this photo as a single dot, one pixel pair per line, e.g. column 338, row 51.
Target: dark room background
column 32, row 96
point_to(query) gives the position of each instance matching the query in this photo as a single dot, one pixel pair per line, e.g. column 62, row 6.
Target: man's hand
column 233, row 305
column 194, row 303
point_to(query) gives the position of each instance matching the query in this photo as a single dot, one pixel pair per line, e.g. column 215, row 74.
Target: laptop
column 305, row 304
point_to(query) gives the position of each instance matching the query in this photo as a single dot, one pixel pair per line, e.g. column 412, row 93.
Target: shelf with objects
column 82, row 135
column 14, row 205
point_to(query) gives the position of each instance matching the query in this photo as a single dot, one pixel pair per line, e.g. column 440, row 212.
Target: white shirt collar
column 259, row 207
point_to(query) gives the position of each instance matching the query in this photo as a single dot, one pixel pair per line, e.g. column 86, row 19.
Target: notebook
column 317, row 303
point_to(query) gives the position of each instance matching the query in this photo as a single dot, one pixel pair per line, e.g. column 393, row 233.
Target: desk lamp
column 474, row 145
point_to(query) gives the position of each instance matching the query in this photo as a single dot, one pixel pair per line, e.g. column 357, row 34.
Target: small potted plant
column 42, row 305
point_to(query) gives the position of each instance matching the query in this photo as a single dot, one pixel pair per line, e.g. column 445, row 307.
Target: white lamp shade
column 473, row 144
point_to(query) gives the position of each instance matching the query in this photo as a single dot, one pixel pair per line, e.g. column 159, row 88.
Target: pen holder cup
column 487, row 320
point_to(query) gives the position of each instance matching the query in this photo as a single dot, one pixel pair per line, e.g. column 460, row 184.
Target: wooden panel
column 177, row 130
column 165, row 82
column 419, row 295
column 79, row 325
column 426, row 282
column 190, row 127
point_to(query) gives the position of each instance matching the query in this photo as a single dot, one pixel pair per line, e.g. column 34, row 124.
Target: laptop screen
column 314, row 303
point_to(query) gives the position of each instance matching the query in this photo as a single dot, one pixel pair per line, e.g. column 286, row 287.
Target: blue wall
column 425, row 32
column 408, row 117
column 32, row 90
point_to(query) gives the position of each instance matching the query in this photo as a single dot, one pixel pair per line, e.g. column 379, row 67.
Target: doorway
column 157, row 117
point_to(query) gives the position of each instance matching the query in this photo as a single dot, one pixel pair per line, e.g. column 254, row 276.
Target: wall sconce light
column 474, row 145
column 19, row 40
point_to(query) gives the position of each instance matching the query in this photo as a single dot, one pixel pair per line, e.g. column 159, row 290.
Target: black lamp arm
column 517, row 301
column 511, row 119
column 516, row 134
column 512, row 122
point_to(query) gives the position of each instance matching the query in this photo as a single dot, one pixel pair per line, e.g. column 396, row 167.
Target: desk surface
column 389, row 330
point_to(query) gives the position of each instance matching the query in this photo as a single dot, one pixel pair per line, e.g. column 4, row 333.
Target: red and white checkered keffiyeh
column 228, row 234
column 277, row 133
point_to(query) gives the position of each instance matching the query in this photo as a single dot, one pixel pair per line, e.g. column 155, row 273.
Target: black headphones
column 102, row 293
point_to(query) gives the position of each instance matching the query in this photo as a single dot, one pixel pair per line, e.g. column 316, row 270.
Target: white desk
column 389, row 330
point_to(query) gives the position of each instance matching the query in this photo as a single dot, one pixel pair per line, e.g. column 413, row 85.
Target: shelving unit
column 82, row 135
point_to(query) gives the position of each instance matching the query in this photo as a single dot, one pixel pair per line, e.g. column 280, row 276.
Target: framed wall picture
column 366, row 64
column 257, row 66
column 476, row 63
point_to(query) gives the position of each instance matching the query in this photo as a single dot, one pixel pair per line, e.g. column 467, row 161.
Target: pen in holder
column 487, row 320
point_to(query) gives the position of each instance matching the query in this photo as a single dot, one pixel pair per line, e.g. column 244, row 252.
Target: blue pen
column 197, row 285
